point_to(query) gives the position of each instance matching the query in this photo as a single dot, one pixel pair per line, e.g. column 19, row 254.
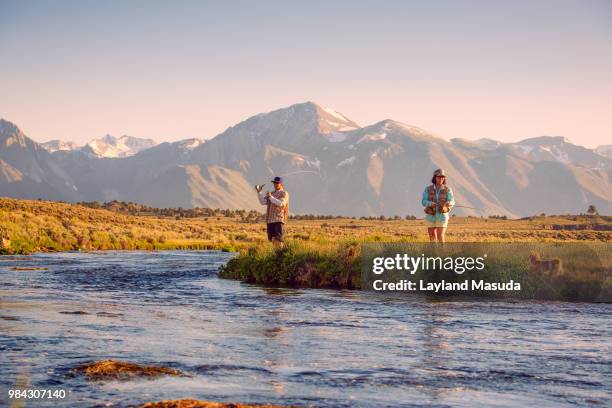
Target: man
column 277, row 202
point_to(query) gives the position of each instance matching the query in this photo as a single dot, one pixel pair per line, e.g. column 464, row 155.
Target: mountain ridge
column 332, row 166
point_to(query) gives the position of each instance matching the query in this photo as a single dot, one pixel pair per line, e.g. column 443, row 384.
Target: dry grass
column 121, row 370
column 33, row 225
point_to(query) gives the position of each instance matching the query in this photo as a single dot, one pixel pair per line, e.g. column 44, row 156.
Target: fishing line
column 300, row 172
column 465, row 206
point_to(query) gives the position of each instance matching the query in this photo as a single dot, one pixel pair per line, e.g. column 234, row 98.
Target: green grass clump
column 299, row 264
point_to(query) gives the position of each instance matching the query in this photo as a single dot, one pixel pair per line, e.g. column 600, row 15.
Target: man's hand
column 268, row 194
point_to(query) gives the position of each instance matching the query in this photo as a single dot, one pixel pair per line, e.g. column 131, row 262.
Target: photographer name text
column 443, row 286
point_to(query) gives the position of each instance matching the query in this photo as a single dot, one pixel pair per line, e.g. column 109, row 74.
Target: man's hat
column 277, row 180
column 439, row 172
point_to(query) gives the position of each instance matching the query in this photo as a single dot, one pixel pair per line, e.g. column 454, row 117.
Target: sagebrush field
column 32, row 225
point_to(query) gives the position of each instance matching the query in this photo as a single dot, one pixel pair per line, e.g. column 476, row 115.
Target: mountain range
column 107, row 146
column 331, row 165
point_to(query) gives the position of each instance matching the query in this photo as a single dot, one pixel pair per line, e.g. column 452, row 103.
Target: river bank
column 298, row 265
column 569, row 272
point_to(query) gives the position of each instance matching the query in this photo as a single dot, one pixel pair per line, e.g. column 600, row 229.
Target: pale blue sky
column 508, row 70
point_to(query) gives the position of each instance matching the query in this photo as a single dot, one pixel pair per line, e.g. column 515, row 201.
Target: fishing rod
column 300, row 172
column 465, row 206
column 259, row 187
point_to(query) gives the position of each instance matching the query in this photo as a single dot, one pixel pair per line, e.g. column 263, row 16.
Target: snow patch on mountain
column 124, row 146
column 189, row 144
column 524, row 149
column 488, row 144
column 335, row 114
column 341, row 127
column 545, row 141
column 556, row 153
column 330, row 121
column 372, row 137
column 57, row 145
column 413, row 130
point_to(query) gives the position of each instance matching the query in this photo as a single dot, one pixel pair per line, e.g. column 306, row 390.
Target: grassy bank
column 583, row 275
column 298, row 265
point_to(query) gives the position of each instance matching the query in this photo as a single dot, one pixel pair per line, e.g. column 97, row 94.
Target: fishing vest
column 277, row 213
column 431, row 191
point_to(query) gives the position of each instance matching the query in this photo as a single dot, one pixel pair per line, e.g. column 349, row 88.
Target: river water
column 246, row 343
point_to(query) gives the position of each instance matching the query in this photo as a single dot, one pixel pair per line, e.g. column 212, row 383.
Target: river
column 247, row 343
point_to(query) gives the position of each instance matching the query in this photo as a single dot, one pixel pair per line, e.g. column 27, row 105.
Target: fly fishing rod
column 468, row 207
column 300, row 172
column 259, row 187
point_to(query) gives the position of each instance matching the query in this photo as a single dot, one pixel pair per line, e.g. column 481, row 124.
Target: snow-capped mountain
column 124, row 146
column 58, row 145
column 560, row 149
column 545, row 148
column 331, row 166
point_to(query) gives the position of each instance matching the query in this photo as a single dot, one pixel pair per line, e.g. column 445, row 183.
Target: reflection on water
column 247, row 343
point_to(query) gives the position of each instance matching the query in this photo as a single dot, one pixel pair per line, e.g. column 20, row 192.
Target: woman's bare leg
column 441, row 232
column 432, row 234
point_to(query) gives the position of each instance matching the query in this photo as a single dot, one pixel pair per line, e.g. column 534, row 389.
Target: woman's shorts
column 438, row 221
column 275, row 230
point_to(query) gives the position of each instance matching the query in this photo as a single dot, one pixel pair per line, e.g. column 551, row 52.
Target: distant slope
column 28, row 170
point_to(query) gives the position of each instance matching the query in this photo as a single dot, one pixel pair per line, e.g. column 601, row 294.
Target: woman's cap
column 277, row 180
column 439, row 172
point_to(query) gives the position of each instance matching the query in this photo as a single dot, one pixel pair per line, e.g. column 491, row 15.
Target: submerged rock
column 190, row 403
column 27, row 268
column 122, row 370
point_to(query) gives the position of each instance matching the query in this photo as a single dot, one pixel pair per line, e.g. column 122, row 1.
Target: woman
column 438, row 200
